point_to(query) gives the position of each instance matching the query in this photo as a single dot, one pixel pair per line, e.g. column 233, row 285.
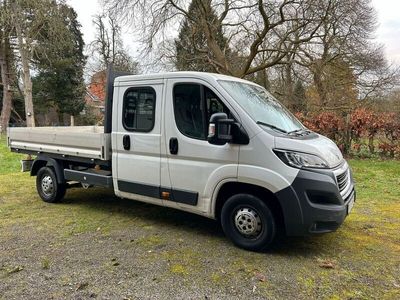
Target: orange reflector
column 165, row 195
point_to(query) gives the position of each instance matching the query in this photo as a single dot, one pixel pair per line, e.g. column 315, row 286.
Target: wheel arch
column 44, row 161
column 230, row 188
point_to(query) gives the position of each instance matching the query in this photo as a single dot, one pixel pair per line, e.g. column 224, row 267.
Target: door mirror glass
column 219, row 129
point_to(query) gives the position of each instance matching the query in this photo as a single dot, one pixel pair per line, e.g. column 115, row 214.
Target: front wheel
column 248, row 222
column 47, row 186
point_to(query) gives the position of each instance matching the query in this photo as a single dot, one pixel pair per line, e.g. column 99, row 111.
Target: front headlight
column 301, row 160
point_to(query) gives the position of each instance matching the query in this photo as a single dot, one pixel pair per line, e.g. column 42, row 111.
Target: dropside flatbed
column 87, row 142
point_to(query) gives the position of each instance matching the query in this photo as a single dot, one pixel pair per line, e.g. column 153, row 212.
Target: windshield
column 262, row 107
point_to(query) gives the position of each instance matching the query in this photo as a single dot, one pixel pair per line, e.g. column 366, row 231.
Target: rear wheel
column 248, row 222
column 47, row 186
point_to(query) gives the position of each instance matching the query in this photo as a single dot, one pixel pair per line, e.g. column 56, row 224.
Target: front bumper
column 317, row 201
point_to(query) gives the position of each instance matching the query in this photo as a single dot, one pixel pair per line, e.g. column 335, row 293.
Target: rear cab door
column 136, row 135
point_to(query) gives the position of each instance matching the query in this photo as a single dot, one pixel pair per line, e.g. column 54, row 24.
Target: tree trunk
column 265, row 81
column 347, row 136
column 221, row 63
column 6, row 82
column 289, row 86
column 317, row 72
column 72, row 121
column 371, row 144
column 60, row 118
column 26, row 78
column 320, row 88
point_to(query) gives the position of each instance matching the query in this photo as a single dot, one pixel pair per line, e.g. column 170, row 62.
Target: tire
column 248, row 222
column 47, row 186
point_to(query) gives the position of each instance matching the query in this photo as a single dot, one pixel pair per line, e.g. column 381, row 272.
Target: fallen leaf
column 82, row 286
column 368, row 226
column 261, row 277
column 327, row 264
column 15, row 269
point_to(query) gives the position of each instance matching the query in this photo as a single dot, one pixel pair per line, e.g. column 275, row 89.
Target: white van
column 209, row 144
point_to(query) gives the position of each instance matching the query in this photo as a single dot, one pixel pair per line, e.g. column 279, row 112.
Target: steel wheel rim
column 47, row 185
column 248, row 222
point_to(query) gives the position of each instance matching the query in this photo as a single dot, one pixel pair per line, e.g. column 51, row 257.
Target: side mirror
column 219, row 129
column 222, row 130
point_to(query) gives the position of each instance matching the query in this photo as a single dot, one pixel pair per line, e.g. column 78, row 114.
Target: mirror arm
column 239, row 134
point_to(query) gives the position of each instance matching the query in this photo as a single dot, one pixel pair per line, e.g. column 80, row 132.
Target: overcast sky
column 388, row 32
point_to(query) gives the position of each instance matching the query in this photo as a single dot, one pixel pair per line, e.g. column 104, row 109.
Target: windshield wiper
column 298, row 130
column 271, row 126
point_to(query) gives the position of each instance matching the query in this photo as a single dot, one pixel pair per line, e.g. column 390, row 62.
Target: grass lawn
column 93, row 245
column 9, row 162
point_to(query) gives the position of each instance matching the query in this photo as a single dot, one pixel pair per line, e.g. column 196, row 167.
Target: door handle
column 126, row 141
column 173, row 145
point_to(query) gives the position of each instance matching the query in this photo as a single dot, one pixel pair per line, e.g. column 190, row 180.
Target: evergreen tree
column 59, row 81
column 191, row 47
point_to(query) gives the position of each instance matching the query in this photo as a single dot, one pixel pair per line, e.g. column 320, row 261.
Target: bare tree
column 33, row 21
column 109, row 47
column 24, row 44
column 344, row 42
column 252, row 28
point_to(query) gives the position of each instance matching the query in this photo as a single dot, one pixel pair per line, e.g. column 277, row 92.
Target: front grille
column 343, row 180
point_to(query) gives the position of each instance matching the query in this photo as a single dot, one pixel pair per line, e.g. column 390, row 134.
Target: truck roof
column 180, row 74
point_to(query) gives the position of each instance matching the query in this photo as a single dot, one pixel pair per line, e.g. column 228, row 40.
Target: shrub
column 390, row 129
column 358, row 131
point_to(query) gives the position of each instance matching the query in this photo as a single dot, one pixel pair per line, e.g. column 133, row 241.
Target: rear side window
column 139, row 109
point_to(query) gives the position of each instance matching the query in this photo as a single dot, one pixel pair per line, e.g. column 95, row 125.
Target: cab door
column 136, row 141
column 194, row 165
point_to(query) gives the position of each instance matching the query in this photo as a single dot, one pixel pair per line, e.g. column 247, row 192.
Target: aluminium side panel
column 80, row 141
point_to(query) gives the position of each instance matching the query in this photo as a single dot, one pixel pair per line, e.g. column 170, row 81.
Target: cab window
column 193, row 106
column 139, row 109
column 214, row 105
